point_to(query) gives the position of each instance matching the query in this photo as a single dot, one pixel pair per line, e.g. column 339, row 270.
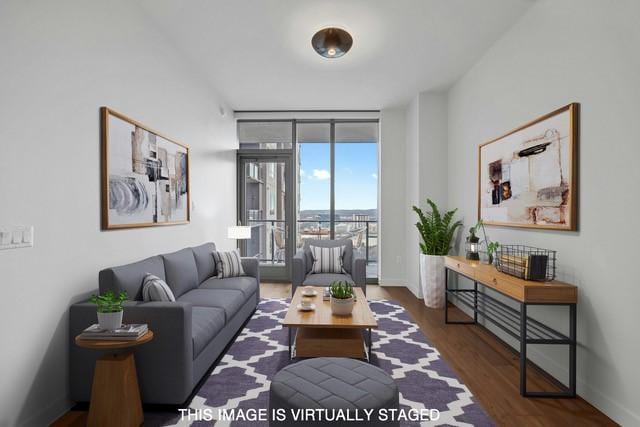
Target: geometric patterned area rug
column 242, row 377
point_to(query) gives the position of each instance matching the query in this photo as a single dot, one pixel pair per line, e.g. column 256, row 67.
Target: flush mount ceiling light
column 332, row 42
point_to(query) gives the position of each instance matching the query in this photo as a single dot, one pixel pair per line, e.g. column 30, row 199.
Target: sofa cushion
column 203, row 255
column 181, row 271
column 129, row 277
column 325, row 279
column 206, row 322
column 246, row 284
column 347, row 257
column 230, row 300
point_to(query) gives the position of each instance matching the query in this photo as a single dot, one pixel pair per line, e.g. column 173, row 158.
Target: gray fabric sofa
column 189, row 334
column 354, row 266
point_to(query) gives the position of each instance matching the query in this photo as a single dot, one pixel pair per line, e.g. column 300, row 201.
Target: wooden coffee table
column 320, row 333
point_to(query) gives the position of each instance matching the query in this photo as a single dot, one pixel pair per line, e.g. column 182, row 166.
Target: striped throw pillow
column 156, row 289
column 327, row 260
column 228, row 264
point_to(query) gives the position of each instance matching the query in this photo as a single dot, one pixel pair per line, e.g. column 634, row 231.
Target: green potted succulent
column 437, row 232
column 342, row 299
column 109, row 307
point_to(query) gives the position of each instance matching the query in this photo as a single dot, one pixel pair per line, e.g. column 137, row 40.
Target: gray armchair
column 354, row 264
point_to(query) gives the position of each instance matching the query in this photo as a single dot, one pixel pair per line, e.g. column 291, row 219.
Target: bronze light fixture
column 332, row 42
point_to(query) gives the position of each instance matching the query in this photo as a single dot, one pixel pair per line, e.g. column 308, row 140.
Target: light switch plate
column 5, row 236
column 17, row 236
column 27, row 235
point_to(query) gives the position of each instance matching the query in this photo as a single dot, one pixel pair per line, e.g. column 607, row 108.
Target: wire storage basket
column 527, row 262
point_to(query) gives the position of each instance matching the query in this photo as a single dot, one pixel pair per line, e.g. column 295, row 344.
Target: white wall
column 61, row 61
column 563, row 51
column 425, row 172
column 392, row 198
column 412, row 188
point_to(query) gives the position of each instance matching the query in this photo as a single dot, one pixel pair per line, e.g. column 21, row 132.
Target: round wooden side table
column 115, row 395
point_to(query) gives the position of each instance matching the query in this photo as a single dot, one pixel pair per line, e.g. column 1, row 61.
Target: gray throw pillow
column 327, row 260
column 156, row 289
column 228, row 264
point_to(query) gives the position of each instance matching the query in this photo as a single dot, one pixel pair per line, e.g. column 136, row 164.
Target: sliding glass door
column 265, row 206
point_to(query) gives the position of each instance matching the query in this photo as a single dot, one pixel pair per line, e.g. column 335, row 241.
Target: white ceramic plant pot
column 110, row 321
column 341, row 307
column 432, row 280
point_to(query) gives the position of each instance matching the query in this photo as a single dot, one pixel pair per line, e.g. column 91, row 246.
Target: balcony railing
column 271, row 250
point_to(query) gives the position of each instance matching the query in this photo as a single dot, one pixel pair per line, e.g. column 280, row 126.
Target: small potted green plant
column 341, row 298
column 109, row 307
column 492, row 249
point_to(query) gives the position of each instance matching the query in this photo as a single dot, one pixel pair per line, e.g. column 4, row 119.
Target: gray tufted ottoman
column 332, row 387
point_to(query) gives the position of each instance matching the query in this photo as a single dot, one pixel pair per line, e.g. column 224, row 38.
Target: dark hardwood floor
column 488, row 367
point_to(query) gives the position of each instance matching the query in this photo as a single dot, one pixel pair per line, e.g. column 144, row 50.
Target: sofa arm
column 359, row 271
column 251, row 267
column 164, row 365
column 299, row 272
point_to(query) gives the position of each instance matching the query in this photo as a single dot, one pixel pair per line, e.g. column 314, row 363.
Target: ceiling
column 258, row 56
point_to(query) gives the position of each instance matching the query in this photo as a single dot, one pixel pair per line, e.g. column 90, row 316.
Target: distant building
column 360, row 220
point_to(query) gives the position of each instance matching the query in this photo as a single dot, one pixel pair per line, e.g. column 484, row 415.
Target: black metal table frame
column 519, row 326
column 368, row 343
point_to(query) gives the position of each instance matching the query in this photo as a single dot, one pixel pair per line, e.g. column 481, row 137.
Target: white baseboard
column 617, row 412
column 48, row 414
column 392, row 283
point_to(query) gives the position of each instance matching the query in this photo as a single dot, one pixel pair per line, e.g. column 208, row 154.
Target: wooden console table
column 515, row 322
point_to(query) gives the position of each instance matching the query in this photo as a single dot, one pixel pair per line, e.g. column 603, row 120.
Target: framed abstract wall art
column 145, row 176
column 529, row 176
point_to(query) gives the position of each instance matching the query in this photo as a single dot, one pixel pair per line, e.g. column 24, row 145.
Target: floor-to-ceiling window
column 332, row 191
column 338, row 184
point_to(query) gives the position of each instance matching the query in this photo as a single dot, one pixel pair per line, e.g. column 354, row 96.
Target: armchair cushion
column 325, row 279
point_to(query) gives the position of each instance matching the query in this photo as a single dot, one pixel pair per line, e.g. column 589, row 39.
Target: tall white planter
column 432, row 280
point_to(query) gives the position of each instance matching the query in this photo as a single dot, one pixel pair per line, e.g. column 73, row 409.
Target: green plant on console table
column 341, row 290
column 109, row 302
column 492, row 247
column 436, row 230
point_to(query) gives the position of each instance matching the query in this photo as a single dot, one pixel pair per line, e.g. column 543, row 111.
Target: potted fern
column 109, row 307
column 341, row 298
column 436, row 233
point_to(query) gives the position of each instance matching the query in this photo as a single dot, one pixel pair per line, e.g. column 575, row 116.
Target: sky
column 356, row 176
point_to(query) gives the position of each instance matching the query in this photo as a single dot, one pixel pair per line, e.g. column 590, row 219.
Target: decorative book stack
column 125, row 332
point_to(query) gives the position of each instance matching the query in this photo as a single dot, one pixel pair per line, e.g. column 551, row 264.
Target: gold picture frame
column 528, row 177
column 144, row 175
